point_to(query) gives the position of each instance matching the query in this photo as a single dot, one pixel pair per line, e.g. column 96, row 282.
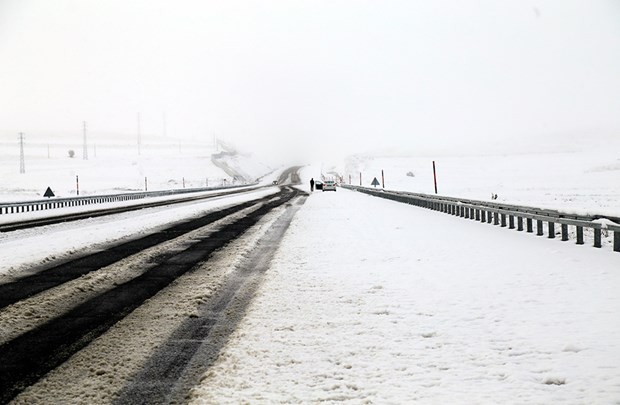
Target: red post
column 435, row 176
column 146, row 186
column 183, row 182
column 382, row 179
column 360, row 179
column 77, row 185
column 349, row 179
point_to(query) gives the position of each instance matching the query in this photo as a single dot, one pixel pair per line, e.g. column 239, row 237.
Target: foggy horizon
column 314, row 78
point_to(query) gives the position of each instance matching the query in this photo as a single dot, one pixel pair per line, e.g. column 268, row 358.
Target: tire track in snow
column 171, row 373
column 28, row 286
column 26, row 358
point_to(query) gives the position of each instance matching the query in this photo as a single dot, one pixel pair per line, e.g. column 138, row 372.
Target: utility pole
column 85, row 149
column 435, row 177
column 139, row 135
column 22, row 164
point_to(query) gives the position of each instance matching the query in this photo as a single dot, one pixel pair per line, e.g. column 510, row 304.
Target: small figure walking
column 312, row 184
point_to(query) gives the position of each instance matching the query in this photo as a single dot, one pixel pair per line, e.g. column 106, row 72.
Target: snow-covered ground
column 372, row 301
column 573, row 176
column 369, row 300
column 113, row 166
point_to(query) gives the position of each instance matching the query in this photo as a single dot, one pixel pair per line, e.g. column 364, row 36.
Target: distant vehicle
column 318, row 185
column 275, row 182
column 329, row 185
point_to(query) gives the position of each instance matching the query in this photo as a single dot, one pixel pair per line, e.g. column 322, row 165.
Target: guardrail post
column 530, row 225
column 489, row 217
column 483, row 216
column 564, row 232
column 495, row 218
column 503, row 216
column 519, row 223
column 539, row 227
column 511, row 222
column 477, row 214
column 597, row 238
column 551, row 230
column 616, row 241
column 466, row 212
column 579, row 234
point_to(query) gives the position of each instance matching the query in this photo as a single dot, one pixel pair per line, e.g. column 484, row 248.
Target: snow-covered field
column 578, row 177
column 372, row 301
column 113, row 166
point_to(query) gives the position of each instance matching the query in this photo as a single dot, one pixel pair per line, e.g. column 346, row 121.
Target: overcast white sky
column 354, row 75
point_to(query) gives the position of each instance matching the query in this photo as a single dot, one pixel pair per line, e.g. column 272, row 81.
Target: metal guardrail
column 53, row 203
column 506, row 215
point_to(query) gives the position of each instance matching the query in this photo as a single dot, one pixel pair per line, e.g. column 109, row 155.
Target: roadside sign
column 48, row 193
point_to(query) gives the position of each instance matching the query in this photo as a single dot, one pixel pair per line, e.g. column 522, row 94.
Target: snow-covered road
column 366, row 301
column 372, row 301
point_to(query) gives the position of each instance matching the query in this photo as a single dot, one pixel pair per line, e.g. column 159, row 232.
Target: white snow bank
column 605, row 223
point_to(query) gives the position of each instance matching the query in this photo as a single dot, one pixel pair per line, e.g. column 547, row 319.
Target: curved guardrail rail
column 52, row 203
column 507, row 215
